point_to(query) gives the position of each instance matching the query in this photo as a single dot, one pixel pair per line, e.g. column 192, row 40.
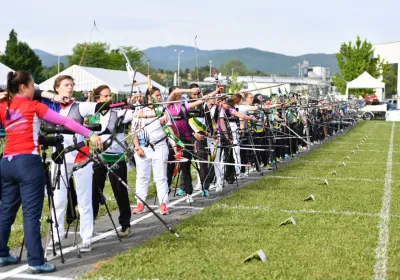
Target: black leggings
column 119, row 190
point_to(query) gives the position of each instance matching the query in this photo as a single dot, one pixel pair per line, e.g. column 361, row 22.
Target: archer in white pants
column 83, row 183
column 152, row 160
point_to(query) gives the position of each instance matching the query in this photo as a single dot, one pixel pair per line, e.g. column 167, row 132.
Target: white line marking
column 22, row 268
column 304, row 211
column 175, row 207
column 40, row 277
column 381, row 257
column 321, row 179
column 357, row 162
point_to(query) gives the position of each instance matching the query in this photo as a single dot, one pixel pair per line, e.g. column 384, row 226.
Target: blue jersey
column 52, row 105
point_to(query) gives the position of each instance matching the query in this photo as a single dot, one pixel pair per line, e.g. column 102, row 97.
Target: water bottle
column 262, row 115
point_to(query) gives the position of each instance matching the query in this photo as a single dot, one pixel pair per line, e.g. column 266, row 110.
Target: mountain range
column 254, row 59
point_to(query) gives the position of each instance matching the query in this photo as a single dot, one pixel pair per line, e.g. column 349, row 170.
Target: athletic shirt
column 84, row 109
column 222, row 114
column 108, row 122
column 22, row 129
column 180, row 125
column 150, row 130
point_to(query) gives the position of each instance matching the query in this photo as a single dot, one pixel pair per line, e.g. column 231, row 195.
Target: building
column 390, row 52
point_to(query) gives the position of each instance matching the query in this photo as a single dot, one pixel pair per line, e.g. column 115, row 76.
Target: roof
column 365, row 80
column 87, row 78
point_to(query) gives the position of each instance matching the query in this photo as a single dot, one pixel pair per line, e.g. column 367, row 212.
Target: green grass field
column 337, row 236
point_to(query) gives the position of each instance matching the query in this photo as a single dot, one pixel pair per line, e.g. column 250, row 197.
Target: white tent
column 88, row 78
column 365, row 80
column 3, row 74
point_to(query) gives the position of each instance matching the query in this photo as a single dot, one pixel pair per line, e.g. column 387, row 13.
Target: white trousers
column 152, row 160
column 218, row 166
column 83, row 186
column 236, row 149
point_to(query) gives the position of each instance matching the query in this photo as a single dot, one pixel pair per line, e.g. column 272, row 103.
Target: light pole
column 210, row 67
column 179, row 62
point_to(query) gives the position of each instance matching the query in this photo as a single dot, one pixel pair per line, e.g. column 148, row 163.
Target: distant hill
column 49, row 59
column 254, row 59
column 165, row 57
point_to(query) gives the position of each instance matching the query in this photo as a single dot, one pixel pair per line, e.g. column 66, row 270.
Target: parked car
column 392, row 104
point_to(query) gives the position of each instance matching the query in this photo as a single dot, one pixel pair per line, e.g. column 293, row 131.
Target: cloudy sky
column 288, row 27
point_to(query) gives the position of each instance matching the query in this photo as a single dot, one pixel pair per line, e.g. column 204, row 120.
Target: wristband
column 90, row 134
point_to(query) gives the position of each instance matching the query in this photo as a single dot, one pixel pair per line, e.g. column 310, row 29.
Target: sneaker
column 286, row 156
column 212, row 186
column 4, row 261
column 218, row 188
column 85, row 247
column 56, row 245
column 125, row 232
column 180, row 192
column 278, row 160
column 204, row 193
column 198, row 187
column 139, row 208
column 268, row 167
column 189, row 198
column 44, row 268
column 164, row 209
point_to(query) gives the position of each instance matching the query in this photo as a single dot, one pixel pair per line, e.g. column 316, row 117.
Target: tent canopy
column 3, row 74
column 88, row 78
column 365, row 80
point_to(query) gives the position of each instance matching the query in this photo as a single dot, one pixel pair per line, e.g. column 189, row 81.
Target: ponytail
column 14, row 80
column 10, row 76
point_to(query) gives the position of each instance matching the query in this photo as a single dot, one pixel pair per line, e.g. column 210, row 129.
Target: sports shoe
column 286, row 156
column 164, row 209
column 189, row 198
column 278, row 160
column 268, row 167
column 4, row 261
column 125, row 232
column 205, row 193
column 85, row 247
column 180, row 192
column 212, row 186
column 56, row 245
column 139, row 208
column 197, row 187
column 218, row 188
column 44, row 268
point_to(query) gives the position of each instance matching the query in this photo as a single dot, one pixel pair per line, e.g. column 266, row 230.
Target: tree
column 391, row 81
column 19, row 56
column 234, row 86
column 353, row 60
column 237, row 65
column 49, row 72
column 99, row 55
